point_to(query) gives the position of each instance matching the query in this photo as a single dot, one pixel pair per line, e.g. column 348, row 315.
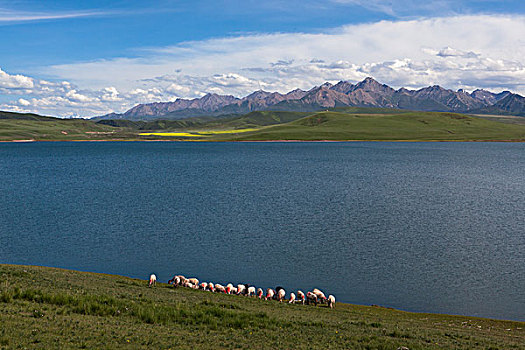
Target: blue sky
column 91, row 57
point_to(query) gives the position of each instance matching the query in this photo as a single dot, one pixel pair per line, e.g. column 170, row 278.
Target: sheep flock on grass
column 310, row 298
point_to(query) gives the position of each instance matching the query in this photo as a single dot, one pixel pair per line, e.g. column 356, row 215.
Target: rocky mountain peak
column 372, row 85
column 368, row 93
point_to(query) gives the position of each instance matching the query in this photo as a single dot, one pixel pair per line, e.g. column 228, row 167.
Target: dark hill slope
column 24, row 116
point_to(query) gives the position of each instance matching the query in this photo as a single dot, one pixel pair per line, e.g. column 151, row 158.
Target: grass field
column 340, row 125
column 424, row 126
column 43, row 308
column 54, row 129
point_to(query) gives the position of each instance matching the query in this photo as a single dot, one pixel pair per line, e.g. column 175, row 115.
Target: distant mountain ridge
column 367, row 93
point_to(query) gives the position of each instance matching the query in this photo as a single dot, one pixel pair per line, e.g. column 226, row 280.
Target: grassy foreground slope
column 53, row 308
column 406, row 126
column 52, row 129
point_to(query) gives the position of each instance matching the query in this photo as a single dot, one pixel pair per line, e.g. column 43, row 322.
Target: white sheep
column 320, row 295
column 204, row 285
column 175, row 281
column 220, row 288
column 241, row 288
column 269, row 293
column 281, row 294
column 292, row 298
column 152, row 280
column 259, row 293
column 251, row 291
column 193, row 281
column 311, row 298
column 301, row 296
column 229, row 287
column 331, row 301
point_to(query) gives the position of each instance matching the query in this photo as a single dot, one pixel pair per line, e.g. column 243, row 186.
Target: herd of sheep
column 313, row 297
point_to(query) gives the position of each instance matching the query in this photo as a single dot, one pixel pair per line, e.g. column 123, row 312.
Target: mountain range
column 367, row 93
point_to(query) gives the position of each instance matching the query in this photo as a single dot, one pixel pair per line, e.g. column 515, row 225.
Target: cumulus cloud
column 15, row 82
column 481, row 51
column 23, row 102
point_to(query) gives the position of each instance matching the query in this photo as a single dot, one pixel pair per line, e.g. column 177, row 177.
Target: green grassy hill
column 42, row 308
column 47, row 128
column 250, row 120
column 405, row 126
column 350, row 123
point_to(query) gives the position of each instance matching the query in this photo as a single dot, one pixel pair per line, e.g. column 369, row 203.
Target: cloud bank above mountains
column 470, row 52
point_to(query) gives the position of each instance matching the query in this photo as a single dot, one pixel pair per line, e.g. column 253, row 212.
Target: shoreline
column 375, row 306
column 258, row 141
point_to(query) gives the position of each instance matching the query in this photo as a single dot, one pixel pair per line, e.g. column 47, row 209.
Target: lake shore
column 250, row 141
column 49, row 307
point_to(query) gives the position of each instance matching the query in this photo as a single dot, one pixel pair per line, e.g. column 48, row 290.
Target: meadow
column 339, row 124
column 42, row 308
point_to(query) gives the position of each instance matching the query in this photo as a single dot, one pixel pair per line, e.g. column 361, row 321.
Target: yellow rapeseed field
column 226, row 131
column 196, row 133
column 185, row 134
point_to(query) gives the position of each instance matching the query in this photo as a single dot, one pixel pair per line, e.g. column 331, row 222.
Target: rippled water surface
column 437, row 227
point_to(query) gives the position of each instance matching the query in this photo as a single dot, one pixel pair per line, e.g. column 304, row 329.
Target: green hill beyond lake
column 43, row 308
column 340, row 124
column 406, row 126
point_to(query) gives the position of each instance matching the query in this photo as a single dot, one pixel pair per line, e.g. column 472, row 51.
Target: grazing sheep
column 175, row 281
column 311, row 298
column 241, row 288
column 229, row 287
column 292, row 298
column 251, row 291
column 331, row 301
column 152, row 280
column 301, row 296
column 204, row 285
column 320, row 295
column 270, row 293
column 220, row 288
column 281, row 294
column 182, row 280
column 259, row 293
column 233, row 290
column 211, row 287
column 193, row 281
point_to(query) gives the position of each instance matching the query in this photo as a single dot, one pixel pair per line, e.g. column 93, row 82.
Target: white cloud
column 481, row 51
column 16, row 81
column 23, row 102
column 7, row 16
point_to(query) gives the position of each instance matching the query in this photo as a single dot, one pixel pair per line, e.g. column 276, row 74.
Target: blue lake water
column 434, row 227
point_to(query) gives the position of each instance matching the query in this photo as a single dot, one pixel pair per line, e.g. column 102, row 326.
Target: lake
column 433, row 227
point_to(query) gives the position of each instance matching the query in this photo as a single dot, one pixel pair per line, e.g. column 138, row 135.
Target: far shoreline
column 259, row 141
